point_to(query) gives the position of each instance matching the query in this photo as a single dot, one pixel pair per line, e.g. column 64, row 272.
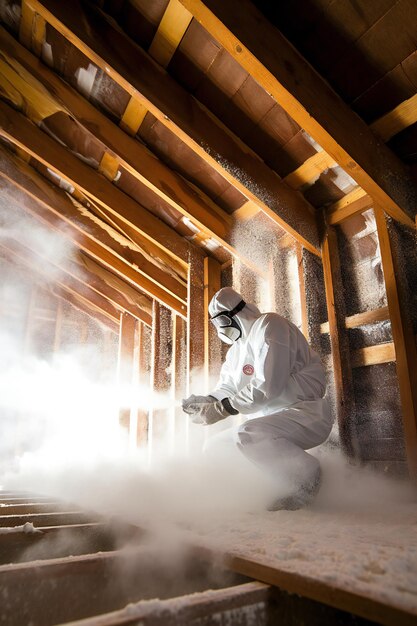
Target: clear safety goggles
column 225, row 318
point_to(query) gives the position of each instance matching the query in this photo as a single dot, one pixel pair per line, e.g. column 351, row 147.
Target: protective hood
column 227, row 299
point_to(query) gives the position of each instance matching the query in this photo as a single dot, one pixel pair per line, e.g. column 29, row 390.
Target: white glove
column 191, row 405
column 210, row 413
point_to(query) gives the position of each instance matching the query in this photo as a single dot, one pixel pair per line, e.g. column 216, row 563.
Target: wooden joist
column 245, row 604
column 185, row 117
column 278, row 67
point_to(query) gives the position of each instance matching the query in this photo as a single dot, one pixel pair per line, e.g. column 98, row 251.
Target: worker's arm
column 272, row 367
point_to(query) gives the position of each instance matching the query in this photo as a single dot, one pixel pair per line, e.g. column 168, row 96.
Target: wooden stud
column 196, row 315
column 179, row 380
column 404, row 341
column 212, row 356
column 171, row 30
column 26, row 24
column 303, row 295
column 125, row 367
column 280, row 69
column 142, row 379
column 133, row 116
column 339, row 343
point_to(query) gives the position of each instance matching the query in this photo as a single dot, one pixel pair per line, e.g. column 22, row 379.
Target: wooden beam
column 404, row 115
column 310, row 170
column 246, row 603
column 184, row 116
column 196, row 315
column 179, row 380
column 354, row 202
column 278, row 67
column 212, row 356
column 404, row 341
column 339, row 342
column 17, row 129
column 123, row 151
column 142, row 379
column 361, row 319
column 373, row 355
column 171, row 30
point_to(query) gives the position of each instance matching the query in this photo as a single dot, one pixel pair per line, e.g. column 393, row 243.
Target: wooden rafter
column 55, row 209
column 150, row 230
column 265, row 53
column 46, row 94
column 186, row 118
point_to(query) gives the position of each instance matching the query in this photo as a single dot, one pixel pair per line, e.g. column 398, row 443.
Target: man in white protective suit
column 275, row 380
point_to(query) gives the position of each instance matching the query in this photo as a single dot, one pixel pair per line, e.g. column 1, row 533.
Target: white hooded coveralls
column 272, row 376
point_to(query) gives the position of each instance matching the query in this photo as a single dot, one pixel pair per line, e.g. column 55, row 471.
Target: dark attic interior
column 153, row 152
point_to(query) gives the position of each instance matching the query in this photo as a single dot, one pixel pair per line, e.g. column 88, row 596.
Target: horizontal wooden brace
column 373, row 355
column 354, row 202
column 361, row 319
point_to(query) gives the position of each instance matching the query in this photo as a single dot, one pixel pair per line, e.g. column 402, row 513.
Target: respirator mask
column 228, row 329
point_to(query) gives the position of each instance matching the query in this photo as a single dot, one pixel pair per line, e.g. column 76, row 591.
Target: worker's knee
column 250, row 432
